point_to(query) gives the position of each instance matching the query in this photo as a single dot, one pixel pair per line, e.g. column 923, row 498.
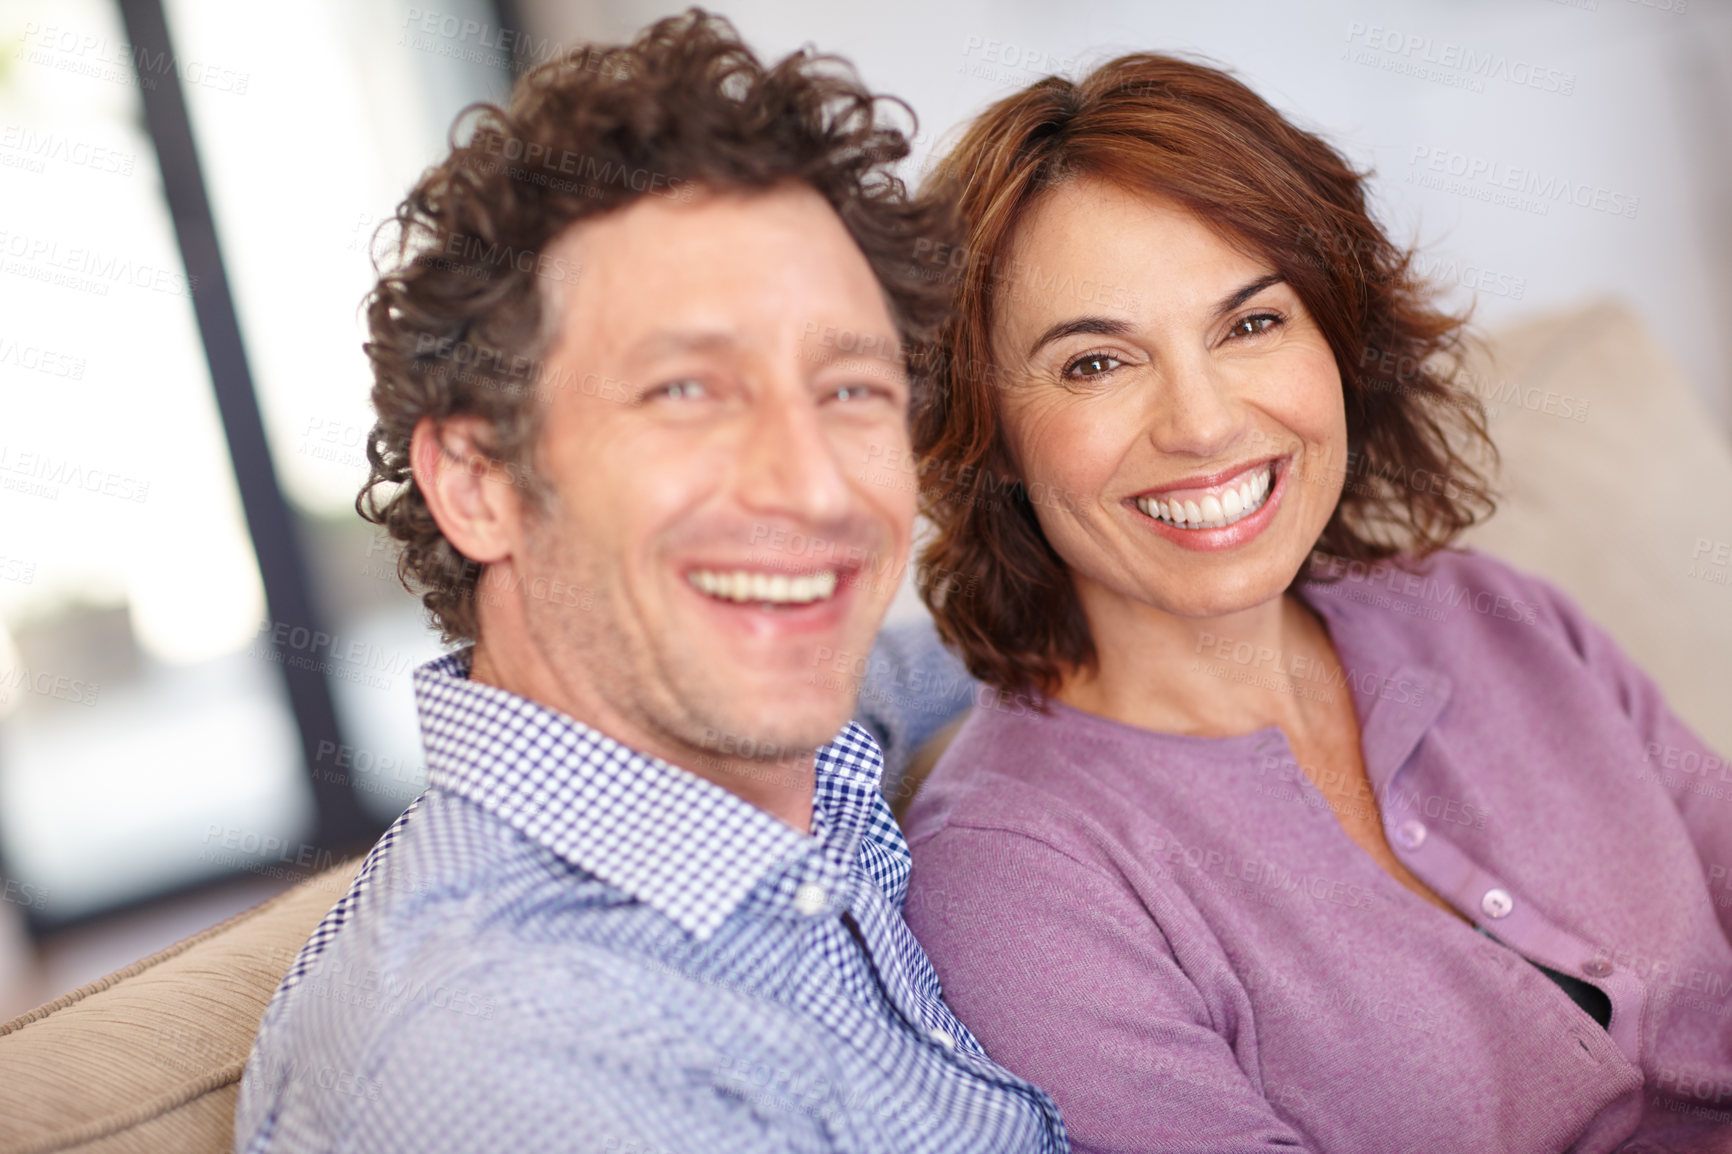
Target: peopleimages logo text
column 1453, row 57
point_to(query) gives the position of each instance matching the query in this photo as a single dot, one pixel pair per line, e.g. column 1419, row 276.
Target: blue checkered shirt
column 565, row 945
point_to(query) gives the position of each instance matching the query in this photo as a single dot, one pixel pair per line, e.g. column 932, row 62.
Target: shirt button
column 1597, row 968
column 1410, row 834
column 944, row 1038
column 1496, row 903
column 809, row 899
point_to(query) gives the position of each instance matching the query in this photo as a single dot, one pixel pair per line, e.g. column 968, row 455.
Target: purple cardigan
column 1174, row 937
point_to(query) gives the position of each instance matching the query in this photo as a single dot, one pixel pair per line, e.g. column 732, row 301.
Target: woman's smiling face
column 1185, row 439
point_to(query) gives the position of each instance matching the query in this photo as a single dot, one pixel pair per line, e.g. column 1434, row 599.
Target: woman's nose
column 1193, row 411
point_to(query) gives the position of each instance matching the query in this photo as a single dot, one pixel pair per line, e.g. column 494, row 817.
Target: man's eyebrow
column 667, row 342
column 1246, row 292
column 833, row 343
column 1099, row 326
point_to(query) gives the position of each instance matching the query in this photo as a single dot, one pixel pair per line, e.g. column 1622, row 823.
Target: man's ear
column 469, row 493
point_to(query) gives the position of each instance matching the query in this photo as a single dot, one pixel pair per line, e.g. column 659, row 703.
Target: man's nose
column 788, row 466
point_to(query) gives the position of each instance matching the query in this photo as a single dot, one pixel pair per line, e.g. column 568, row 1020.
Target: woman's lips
column 1212, row 506
column 1218, row 516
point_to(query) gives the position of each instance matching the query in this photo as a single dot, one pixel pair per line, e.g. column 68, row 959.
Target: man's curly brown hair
column 1168, row 127
column 457, row 321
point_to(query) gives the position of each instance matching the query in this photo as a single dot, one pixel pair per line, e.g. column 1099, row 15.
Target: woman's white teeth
column 770, row 588
column 1213, row 512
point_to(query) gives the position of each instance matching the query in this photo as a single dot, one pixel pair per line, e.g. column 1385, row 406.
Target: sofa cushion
column 1624, row 508
column 149, row 1058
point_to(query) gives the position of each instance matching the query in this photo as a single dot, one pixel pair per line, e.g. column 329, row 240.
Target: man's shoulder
column 445, row 852
column 460, row 940
column 454, row 886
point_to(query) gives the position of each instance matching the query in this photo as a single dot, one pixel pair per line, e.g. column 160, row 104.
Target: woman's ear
column 470, row 494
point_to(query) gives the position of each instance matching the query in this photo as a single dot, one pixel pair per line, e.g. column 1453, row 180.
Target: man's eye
column 1255, row 325
column 679, row 390
column 1091, row 365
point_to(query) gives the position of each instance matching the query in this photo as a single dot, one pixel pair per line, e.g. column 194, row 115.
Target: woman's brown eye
column 1251, row 326
column 1091, row 365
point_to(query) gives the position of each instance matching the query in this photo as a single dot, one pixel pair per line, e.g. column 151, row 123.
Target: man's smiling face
column 703, row 429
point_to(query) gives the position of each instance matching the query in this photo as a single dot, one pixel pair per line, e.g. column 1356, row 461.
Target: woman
column 1239, row 857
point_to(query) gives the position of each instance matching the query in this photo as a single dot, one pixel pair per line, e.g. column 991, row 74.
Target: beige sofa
column 149, row 1059
column 1613, row 508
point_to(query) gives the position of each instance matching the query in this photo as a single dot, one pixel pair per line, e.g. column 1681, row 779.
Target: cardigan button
column 1597, row 968
column 1410, row 834
column 1497, row 903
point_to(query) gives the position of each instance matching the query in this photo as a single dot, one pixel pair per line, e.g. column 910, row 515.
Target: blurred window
column 147, row 741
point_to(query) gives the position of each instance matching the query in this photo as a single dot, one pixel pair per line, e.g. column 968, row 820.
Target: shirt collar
column 1396, row 697
column 680, row 844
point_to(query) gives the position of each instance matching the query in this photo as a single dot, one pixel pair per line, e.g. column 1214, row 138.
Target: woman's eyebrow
column 1246, row 292
column 1112, row 327
column 1099, row 326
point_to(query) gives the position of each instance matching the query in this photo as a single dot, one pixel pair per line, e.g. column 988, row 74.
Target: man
column 644, row 344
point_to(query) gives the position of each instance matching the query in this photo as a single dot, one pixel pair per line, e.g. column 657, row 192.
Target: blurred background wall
column 1542, row 151
column 204, row 653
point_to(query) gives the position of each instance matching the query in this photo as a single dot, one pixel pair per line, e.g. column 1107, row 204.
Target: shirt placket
column 1494, row 903
column 825, row 887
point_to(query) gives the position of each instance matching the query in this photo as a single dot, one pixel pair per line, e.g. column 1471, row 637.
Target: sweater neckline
column 1389, row 728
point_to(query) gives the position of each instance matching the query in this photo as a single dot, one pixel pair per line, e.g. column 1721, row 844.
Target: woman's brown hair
column 1197, row 136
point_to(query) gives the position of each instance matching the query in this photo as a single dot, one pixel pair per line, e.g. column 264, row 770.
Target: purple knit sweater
column 1175, row 938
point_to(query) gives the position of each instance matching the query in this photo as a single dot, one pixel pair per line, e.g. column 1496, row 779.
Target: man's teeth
column 1212, row 512
column 770, row 588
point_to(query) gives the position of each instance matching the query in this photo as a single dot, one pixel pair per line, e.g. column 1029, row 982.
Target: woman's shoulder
column 1503, row 637
column 1477, row 598
column 1472, row 567
column 1416, row 575
column 1027, row 825
column 1019, row 785
column 1012, row 768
